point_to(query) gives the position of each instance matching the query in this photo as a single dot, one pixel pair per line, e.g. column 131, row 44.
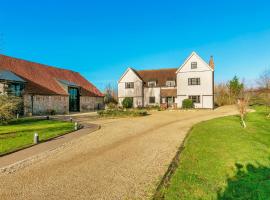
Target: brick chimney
column 211, row 62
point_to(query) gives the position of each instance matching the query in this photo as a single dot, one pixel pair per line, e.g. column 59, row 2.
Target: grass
column 221, row 160
column 122, row 113
column 19, row 133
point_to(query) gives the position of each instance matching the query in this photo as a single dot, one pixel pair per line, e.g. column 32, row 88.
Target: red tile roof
column 43, row 79
column 159, row 75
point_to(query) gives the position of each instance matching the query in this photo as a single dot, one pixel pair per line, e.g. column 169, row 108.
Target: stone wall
column 1, row 88
column 43, row 104
column 91, row 103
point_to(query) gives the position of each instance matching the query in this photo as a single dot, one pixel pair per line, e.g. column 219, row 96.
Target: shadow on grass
column 249, row 183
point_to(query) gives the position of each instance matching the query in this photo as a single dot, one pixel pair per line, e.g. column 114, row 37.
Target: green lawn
column 18, row 134
column 221, row 160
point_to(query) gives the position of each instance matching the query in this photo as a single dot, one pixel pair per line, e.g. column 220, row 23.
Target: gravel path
column 125, row 159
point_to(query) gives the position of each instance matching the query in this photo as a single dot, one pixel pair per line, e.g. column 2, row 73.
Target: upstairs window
column 152, row 100
column 193, row 65
column 195, row 99
column 152, row 83
column 194, row 81
column 170, row 83
column 129, row 85
column 15, row 89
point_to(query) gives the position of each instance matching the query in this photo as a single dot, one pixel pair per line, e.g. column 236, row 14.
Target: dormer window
column 152, row 83
column 15, row 89
column 193, row 65
column 170, row 83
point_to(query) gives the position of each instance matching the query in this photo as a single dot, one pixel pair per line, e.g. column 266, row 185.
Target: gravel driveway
column 125, row 159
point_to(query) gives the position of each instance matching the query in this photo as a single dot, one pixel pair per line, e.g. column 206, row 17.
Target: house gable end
column 130, row 75
column 194, row 57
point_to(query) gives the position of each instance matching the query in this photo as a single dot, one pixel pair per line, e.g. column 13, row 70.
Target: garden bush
column 187, row 104
column 9, row 107
column 127, row 102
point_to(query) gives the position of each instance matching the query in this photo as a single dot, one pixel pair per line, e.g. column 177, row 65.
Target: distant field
column 19, row 133
column 221, row 160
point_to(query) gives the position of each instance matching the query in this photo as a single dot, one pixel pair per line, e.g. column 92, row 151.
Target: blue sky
column 100, row 39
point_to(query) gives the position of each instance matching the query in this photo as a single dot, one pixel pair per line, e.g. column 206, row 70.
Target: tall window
column 152, row 83
column 194, row 81
column 193, row 65
column 195, row 99
column 152, row 100
column 170, row 83
column 129, row 85
column 15, row 89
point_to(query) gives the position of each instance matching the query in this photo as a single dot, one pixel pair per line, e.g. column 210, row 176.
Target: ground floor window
column 152, row 100
column 195, row 98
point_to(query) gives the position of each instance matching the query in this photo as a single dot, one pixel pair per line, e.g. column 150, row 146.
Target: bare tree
column 242, row 104
column 264, row 79
column 264, row 88
column 110, row 94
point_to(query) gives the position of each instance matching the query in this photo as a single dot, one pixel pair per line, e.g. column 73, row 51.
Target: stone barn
column 45, row 89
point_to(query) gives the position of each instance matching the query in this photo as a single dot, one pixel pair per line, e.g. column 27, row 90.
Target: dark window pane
column 152, row 100
column 193, row 65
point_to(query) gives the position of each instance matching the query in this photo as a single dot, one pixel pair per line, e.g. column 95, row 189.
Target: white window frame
column 195, row 98
column 129, row 85
column 194, row 81
column 169, row 83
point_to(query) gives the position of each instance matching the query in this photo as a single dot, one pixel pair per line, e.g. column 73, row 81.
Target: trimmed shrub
column 122, row 113
column 187, row 104
column 127, row 102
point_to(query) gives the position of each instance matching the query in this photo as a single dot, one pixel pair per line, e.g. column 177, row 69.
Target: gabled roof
column 190, row 56
column 9, row 76
column 158, row 75
column 43, row 79
column 130, row 69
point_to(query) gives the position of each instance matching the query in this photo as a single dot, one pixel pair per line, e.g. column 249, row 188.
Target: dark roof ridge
column 156, row 69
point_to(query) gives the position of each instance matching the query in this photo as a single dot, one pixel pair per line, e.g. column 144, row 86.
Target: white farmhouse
column 194, row 79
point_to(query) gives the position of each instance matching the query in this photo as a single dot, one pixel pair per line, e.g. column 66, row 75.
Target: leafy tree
column 127, row 102
column 235, row 88
column 9, row 107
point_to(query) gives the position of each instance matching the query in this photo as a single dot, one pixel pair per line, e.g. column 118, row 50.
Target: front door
column 170, row 101
column 74, row 99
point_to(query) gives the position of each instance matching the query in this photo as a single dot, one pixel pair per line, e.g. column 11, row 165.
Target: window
column 195, row 99
column 152, row 83
column 170, row 83
column 129, row 85
column 152, row 100
column 193, row 65
column 15, row 89
column 194, row 81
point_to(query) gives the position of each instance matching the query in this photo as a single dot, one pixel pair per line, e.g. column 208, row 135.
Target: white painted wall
column 151, row 92
column 205, row 89
column 136, row 92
